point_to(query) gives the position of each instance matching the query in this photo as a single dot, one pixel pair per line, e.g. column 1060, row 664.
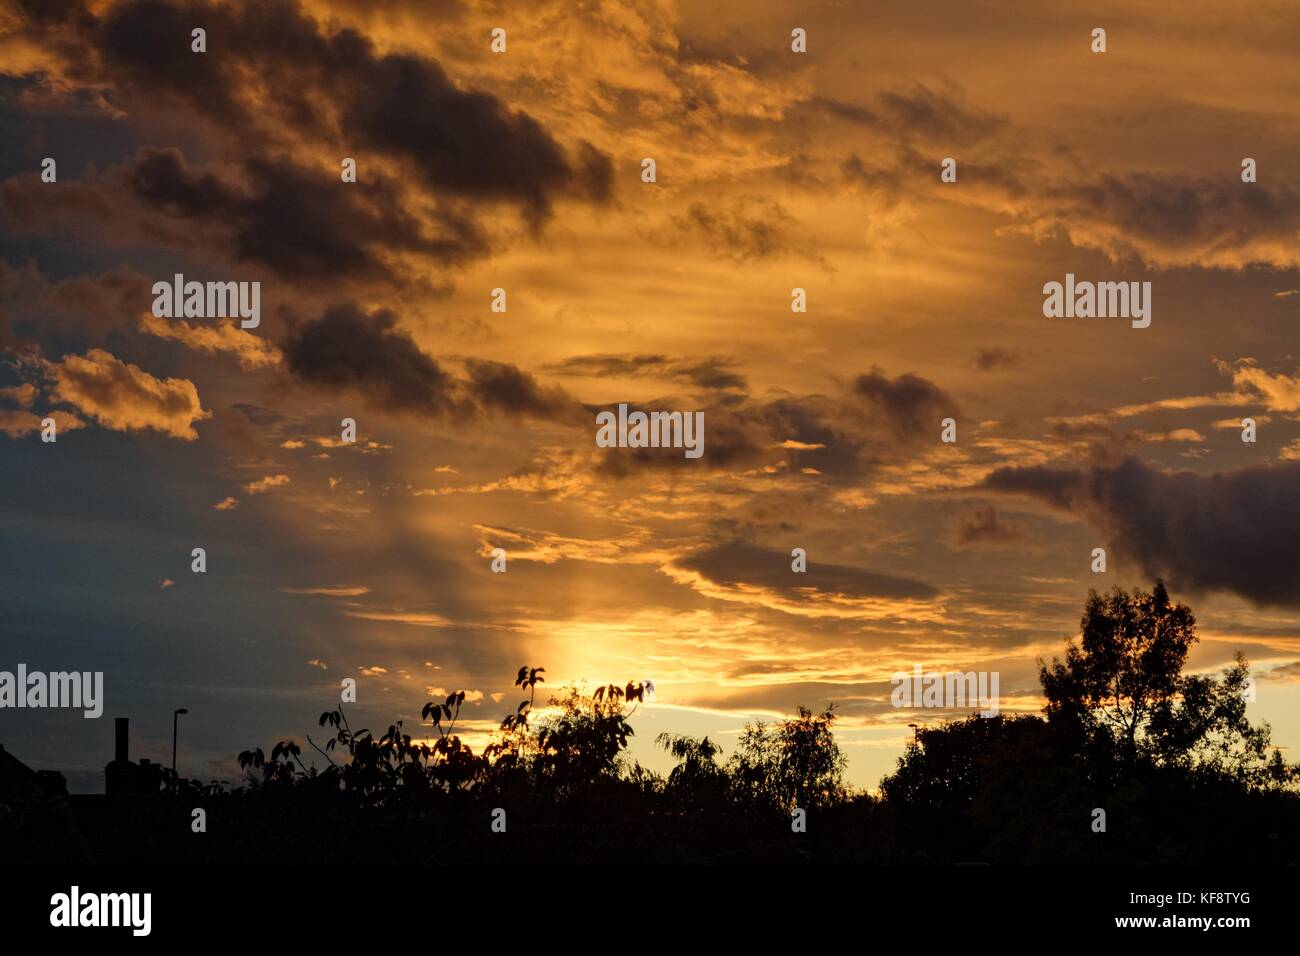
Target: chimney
column 120, row 775
column 122, row 727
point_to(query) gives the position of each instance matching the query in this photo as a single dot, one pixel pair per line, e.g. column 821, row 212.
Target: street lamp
column 176, row 716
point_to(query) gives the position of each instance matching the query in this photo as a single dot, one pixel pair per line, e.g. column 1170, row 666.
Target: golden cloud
column 124, row 397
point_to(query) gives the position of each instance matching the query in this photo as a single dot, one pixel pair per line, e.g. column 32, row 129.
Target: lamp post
column 176, row 716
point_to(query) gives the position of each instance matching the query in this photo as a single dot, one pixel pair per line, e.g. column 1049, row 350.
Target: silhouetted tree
column 1121, row 690
column 797, row 763
column 583, row 742
column 1125, row 730
column 988, row 787
column 697, row 782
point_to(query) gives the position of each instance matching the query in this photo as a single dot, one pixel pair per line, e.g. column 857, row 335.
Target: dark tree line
column 1179, row 773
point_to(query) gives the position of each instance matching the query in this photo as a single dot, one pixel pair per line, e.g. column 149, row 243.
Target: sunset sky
column 522, row 170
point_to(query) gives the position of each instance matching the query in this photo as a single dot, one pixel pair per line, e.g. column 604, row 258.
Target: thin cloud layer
column 738, row 565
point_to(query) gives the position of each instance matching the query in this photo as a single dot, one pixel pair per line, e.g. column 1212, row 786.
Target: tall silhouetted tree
column 1122, row 690
column 1125, row 667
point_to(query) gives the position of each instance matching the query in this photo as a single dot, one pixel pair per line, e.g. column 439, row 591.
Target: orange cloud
column 251, row 351
column 124, row 397
column 17, row 423
column 263, row 485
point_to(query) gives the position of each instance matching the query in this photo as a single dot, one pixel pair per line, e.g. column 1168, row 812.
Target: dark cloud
column 27, row 206
column 848, row 454
column 40, row 119
column 608, row 365
column 749, row 229
column 917, row 111
column 68, row 314
column 989, row 360
column 347, row 348
column 50, row 12
column 711, row 373
column 714, row 372
column 980, row 526
column 1162, row 219
column 145, row 45
column 909, row 405
column 1004, row 178
column 1233, row 531
column 350, row 349
column 1097, row 432
column 507, row 388
column 737, row 563
column 269, row 61
column 911, row 173
column 836, row 436
column 1171, row 208
column 161, row 177
column 733, row 438
column 1285, row 672
column 845, row 111
column 466, row 142
column 299, row 222
column 258, row 415
column 937, row 114
column 741, row 433
column 885, row 181
column 1169, row 219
